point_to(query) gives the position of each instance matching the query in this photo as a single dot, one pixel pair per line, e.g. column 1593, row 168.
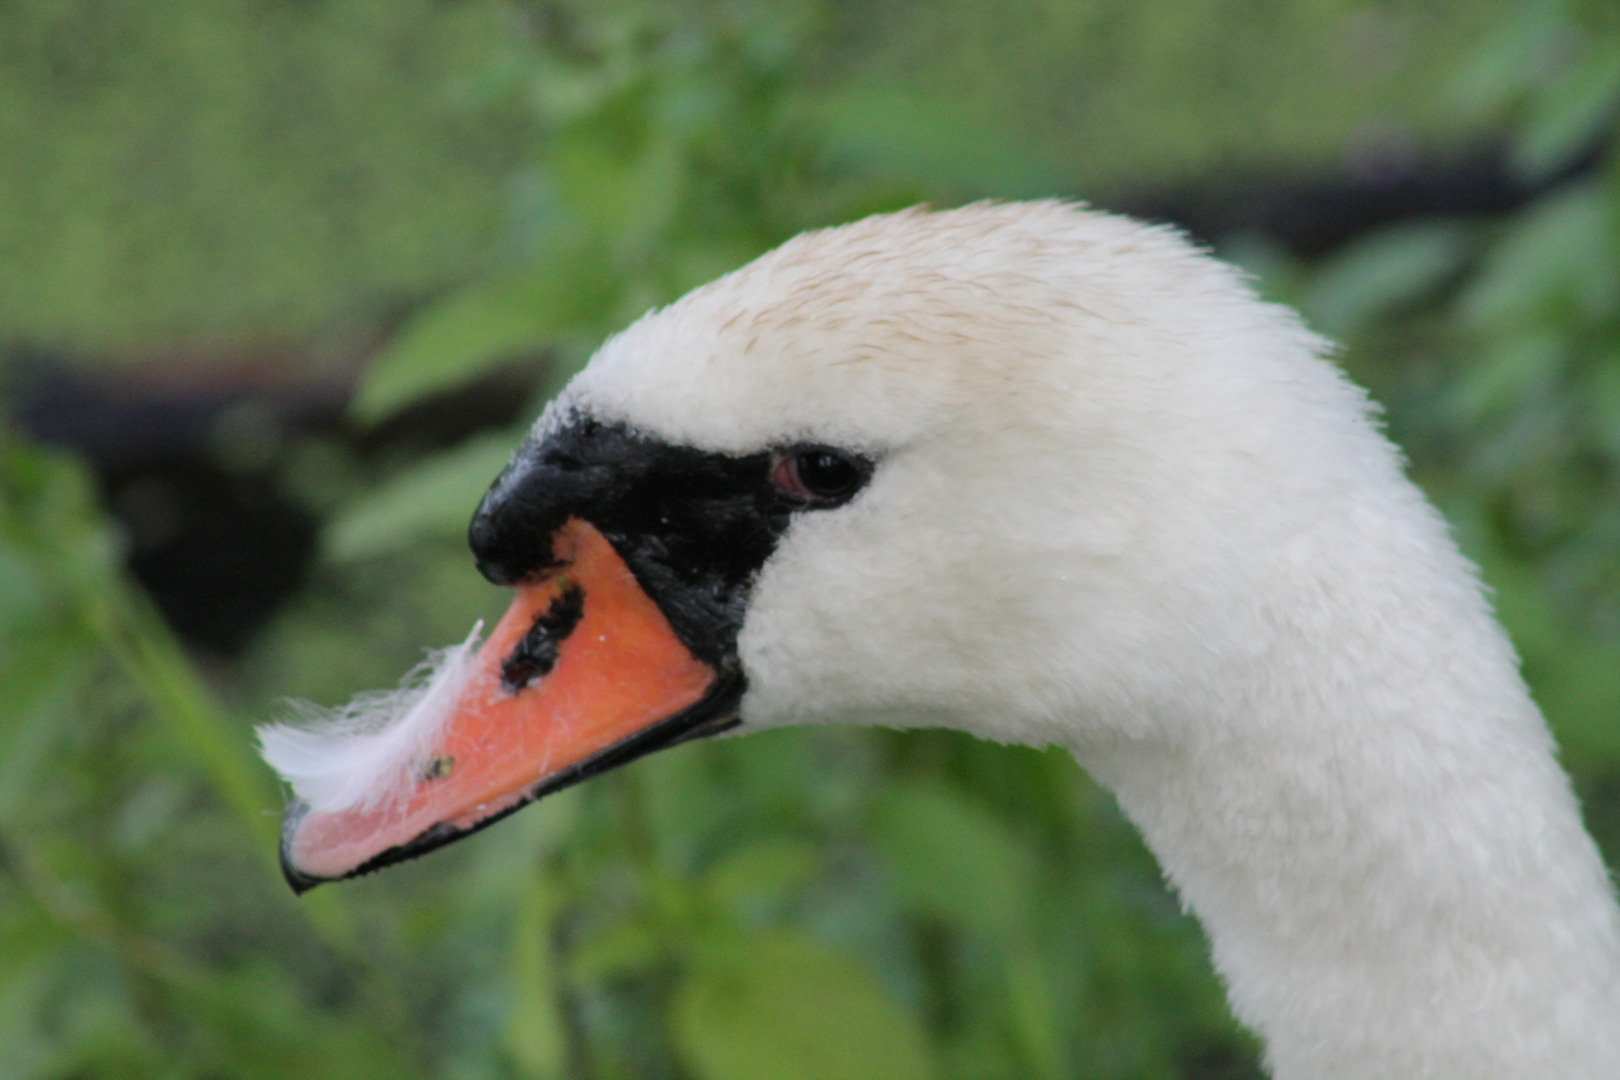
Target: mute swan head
column 1092, row 452
column 1051, row 477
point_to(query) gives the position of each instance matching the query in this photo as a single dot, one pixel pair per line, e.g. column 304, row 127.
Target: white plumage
column 1124, row 507
column 372, row 751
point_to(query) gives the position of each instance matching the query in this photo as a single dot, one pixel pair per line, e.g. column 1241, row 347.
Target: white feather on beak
column 370, row 752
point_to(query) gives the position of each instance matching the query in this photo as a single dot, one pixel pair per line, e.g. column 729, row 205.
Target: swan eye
column 818, row 475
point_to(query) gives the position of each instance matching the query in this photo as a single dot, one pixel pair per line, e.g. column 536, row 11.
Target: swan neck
column 1394, row 879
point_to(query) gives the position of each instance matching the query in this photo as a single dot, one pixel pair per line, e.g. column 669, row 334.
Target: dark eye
column 818, row 474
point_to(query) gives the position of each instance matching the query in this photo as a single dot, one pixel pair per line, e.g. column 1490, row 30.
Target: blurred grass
column 802, row 904
column 1112, row 96
column 239, row 169
column 244, row 169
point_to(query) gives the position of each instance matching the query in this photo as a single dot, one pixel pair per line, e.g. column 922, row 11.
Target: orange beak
column 582, row 673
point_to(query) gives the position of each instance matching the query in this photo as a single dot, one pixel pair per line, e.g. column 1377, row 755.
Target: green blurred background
column 282, row 280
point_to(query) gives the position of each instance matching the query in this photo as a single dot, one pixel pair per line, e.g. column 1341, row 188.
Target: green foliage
column 783, row 1008
column 1503, row 380
column 434, row 499
column 775, row 906
column 1381, row 274
column 246, row 169
column 675, row 145
column 99, row 816
column 477, row 328
column 1116, row 95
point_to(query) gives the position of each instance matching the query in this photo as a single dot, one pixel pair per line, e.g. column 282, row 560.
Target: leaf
column 23, row 596
column 782, row 1008
column 433, row 499
column 481, row 327
column 1029, row 1005
column 762, row 872
column 535, row 1036
column 33, row 949
column 1561, row 248
column 50, row 514
column 951, row 858
column 1569, row 118
column 1512, row 366
column 622, row 175
column 465, row 335
column 1510, row 59
column 622, row 947
column 36, row 679
column 1390, row 269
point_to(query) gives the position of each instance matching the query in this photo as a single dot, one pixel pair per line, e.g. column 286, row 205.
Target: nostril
column 557, row 459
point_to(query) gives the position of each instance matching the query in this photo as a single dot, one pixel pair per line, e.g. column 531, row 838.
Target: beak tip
column 297, row 880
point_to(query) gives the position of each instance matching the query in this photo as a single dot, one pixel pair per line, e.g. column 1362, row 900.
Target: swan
column 1052, row 477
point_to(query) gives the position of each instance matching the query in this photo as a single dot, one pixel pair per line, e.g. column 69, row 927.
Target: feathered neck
column 1369, row 820
column 1124, row 505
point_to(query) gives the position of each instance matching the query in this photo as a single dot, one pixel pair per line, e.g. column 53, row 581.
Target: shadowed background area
column 282, row 281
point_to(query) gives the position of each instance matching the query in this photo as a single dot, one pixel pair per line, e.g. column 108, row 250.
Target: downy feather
column 368, row 753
